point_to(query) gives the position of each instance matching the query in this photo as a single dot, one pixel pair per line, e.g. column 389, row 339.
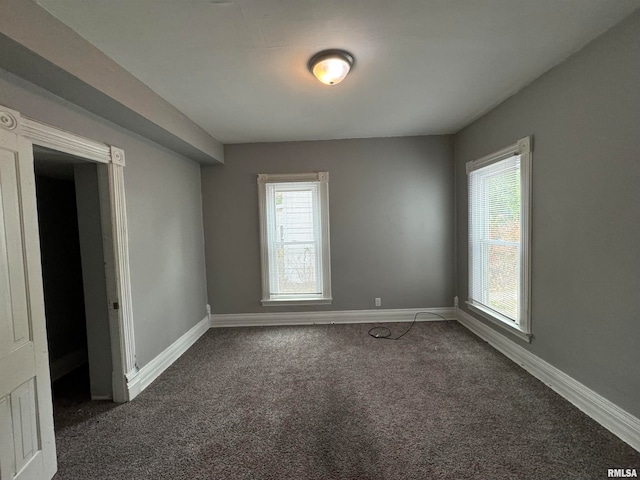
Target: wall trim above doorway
column 57, row 139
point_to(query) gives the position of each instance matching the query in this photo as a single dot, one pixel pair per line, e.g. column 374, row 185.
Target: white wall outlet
column 208, row 309
column 378, row 302
column 455, row 302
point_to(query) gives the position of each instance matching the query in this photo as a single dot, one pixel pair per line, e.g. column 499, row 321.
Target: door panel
column 23, row 413
column 27, row 442
column 13, row 286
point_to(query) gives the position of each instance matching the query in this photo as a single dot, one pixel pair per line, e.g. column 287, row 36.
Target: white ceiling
column 238, row 67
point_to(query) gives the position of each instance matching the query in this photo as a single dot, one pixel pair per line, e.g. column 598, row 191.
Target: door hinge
column 116, row 306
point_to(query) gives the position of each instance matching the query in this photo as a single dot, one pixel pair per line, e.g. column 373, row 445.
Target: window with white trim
column 499, row 219
column 294, row 227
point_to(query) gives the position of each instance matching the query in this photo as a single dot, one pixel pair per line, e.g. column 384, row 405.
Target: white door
column 27, row 441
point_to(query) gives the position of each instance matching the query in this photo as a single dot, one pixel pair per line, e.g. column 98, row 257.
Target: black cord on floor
column 385, row 334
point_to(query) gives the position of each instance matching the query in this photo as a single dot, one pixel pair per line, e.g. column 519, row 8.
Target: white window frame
column 322, row 178
column 521, row 328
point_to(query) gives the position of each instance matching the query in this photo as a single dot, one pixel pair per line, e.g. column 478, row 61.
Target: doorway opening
column 74, row 280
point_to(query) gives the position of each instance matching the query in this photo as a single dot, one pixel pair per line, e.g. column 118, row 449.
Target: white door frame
column 111, row 163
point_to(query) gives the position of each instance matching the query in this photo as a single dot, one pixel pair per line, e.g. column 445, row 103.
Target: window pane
column 296, row 266
column 294, row 239
column 503, row 279
column 494, row 236
column 294, row 216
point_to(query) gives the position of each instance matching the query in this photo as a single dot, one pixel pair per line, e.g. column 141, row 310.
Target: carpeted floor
column 330, row 402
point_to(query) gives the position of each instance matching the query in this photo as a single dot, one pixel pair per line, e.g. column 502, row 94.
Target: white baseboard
column 152, row 370
column 618, row 421
column 68, row 363
column 101, row 397
column 325, row 317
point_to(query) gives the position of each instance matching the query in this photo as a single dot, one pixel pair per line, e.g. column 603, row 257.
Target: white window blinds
column 294, row 240
column 495, row 234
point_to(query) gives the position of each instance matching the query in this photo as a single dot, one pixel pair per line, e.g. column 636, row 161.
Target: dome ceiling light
column 331, row 66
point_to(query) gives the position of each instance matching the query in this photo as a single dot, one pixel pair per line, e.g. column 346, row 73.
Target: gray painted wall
column 391, row 221
column 164, row 209
column 585, row 119
column 96, row 304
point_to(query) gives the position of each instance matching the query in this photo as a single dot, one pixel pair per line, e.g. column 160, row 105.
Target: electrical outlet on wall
column 378, row 302
column 208, row 309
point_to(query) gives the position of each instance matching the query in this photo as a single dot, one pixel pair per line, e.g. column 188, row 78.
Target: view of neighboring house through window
column 295, row 238
column 498, row 235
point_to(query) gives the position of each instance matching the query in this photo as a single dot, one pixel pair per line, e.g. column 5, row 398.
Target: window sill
column 301, row 301
column 488, row 315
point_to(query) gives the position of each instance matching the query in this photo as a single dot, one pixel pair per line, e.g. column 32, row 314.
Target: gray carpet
column 330, row 402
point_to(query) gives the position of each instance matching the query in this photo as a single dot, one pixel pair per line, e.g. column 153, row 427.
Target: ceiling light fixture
column 331, row 66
